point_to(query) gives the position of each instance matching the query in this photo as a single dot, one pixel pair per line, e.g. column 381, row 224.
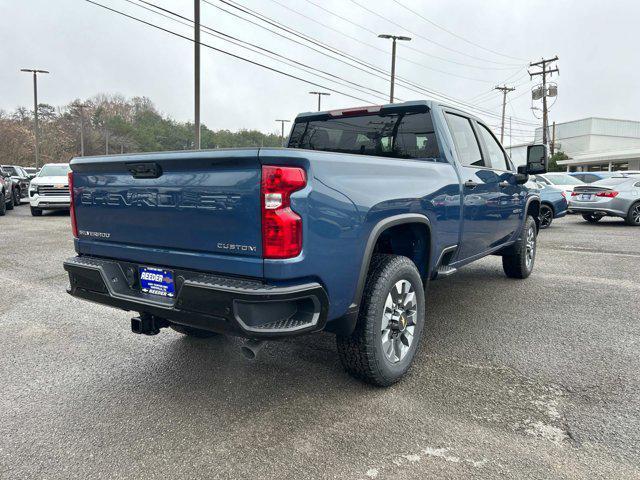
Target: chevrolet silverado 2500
column 341, row 231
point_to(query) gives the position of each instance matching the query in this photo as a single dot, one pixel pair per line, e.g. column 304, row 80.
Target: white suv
column 49, row 190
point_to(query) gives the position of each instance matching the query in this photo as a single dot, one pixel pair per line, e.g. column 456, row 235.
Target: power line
column 430, row 40
column 380, row 73
column 420, row 89
column 307, row 38
column 225, row 52
column 407, row 47
column 253, row 47
column 431, row 22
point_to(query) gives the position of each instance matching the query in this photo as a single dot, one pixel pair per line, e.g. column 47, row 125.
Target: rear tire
column 520, row 260
column 193, row 332
column 3, row 205
column 591, row 218
column 36, row 212
column 390, row 323
column 633, row 217
column 546, row 216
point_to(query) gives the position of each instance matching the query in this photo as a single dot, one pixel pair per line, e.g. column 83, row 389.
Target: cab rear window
column 408, row 135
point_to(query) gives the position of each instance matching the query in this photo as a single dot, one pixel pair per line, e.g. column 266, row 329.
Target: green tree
column 132, row 125
column 553, row 162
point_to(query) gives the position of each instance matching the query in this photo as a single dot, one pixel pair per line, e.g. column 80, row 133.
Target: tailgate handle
column 144, row 170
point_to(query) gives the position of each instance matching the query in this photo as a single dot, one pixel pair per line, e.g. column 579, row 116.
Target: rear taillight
column 72, row 207
column 608, row 194
column 564, row 194
column 281, row 226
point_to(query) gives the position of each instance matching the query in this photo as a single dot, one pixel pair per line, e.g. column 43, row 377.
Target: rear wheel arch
column 419, row 226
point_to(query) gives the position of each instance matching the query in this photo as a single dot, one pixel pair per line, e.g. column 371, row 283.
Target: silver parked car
column 618, row 196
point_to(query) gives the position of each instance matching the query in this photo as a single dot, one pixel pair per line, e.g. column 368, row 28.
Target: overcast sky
column 90, row 50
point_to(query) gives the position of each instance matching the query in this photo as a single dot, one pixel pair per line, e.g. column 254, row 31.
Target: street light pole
column 282, row 122
column 393, row 58
column 319, row 94
column 81, row 108
column 35, row 108
column 196, row 58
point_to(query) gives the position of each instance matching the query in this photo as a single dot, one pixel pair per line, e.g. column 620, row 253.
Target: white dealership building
column 593, row 144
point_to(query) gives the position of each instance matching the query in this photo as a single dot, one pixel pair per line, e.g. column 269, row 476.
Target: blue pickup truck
column 341, row 231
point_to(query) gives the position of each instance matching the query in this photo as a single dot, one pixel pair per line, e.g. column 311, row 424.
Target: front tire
column 36, row 212
column 390, row 323
column 16, row 197
column 546, row 216
column 633, row 216
column 518, row 263
column 10, row 204
column 591, row 218
column 3, row 205
column 193, row 332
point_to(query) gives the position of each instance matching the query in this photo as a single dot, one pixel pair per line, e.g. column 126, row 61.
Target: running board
column 446, row 270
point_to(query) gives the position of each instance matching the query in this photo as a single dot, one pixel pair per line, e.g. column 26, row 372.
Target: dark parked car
column 20, row 179
column 6, row 192
column 31, row 171
column 554, row 203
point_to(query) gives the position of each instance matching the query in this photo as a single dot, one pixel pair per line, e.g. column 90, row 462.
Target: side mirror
column 536, row 159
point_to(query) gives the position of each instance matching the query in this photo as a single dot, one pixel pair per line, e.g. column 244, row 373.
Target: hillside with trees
column 110, row 123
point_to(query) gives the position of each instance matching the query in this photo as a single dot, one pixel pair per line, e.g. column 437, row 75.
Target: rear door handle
column 504, row 184
column 470, row 184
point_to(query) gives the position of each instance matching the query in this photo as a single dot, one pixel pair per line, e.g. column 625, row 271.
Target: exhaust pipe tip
column 251, row 348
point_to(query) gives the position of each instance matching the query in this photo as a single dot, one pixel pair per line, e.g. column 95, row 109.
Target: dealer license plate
column 157, row 281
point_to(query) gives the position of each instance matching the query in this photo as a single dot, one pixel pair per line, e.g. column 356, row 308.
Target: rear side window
column 465, row 141
column 496, row 154
column 407, row 135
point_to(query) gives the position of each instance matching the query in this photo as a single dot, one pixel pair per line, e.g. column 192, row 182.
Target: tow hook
column 147, row 324
column 251, row 348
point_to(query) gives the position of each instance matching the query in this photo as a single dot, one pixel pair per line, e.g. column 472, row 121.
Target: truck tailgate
column 197, row 210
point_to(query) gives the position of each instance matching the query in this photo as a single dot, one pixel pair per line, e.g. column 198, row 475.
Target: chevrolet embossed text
column 161, row 199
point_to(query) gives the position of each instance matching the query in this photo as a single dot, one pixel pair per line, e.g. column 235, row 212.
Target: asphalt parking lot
column 515, row 379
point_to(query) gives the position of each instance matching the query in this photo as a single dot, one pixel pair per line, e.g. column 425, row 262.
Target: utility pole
column 553, row 139
column 81, row 108
column 393, row 58
column 196, row 60
column 319, row 94
column 35, row 108
column 545, row 70
column 282, row 122
column 504, row 89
